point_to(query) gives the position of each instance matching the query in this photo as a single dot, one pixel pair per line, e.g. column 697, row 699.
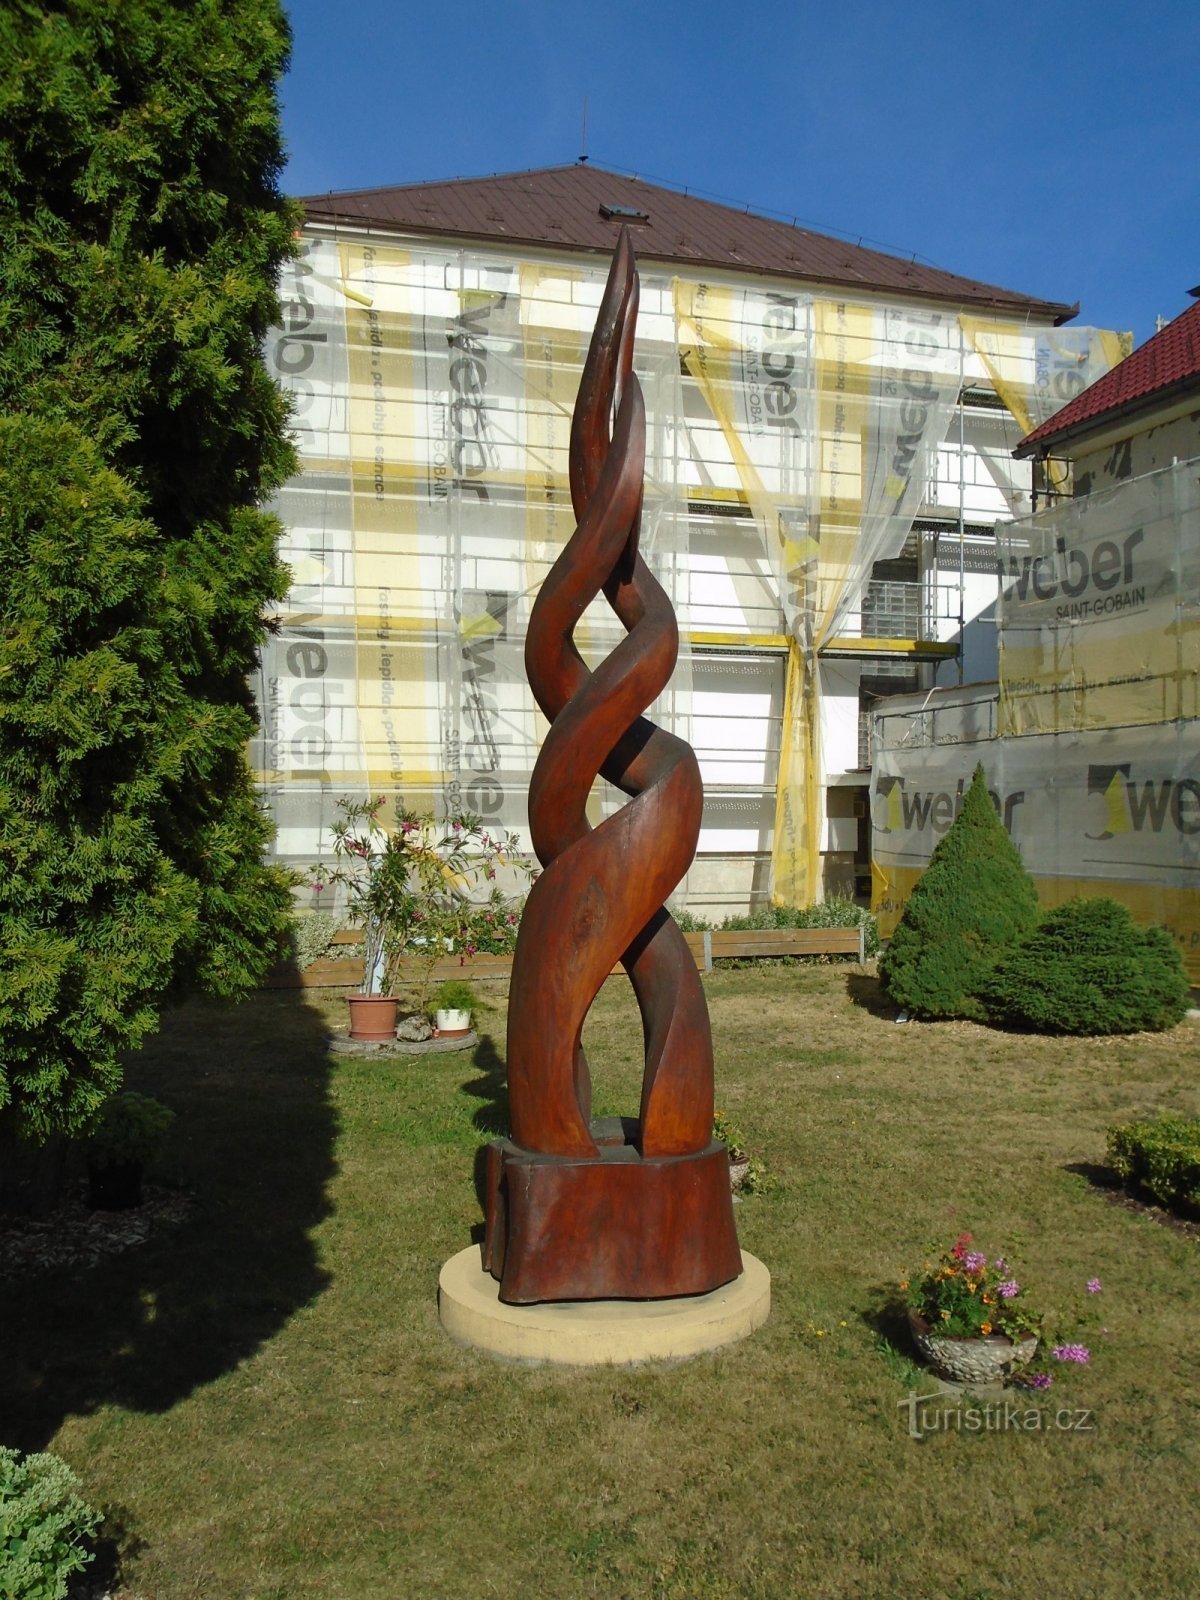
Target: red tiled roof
column 1164, row 365
column 560, row 207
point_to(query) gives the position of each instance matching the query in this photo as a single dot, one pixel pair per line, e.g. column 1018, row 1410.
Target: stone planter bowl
column 987, row 1359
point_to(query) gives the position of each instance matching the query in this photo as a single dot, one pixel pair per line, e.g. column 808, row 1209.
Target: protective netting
column 1037, row 371
column 1092, row 744
column 1100, row 608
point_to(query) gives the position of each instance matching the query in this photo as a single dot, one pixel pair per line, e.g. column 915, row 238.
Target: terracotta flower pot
column 987, row 1359
column 373, row 1017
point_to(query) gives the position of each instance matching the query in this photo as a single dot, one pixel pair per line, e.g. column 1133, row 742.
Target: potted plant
column 747, row 1174
column 969, row 1316
column 129, row 1132
column 420, row 890
column 454, row 1002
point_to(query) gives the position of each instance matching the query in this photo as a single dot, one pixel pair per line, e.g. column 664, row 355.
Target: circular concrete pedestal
column 599, row 1332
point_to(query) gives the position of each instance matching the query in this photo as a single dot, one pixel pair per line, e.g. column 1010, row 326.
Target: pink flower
column 1093, row 1286
column 1071, row 1352
column 1006, row 1291
column 975, row 1262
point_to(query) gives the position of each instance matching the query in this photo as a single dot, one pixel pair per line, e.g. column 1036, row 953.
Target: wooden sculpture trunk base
column 587, row 1228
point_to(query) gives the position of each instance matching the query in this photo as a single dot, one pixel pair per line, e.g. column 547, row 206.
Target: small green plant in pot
column 747, row 1174
column 453, row 1003
column 128, row 1134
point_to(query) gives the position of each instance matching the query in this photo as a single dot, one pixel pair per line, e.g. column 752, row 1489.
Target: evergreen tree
column 139, row 435
column 973, row 899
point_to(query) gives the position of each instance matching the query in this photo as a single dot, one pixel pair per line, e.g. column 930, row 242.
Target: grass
column 265, row 1402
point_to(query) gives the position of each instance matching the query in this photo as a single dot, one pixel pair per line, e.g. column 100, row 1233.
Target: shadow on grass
column 887, row 1318
column 490, row 1088
column 865, row 990
column 253, row 1142
column 1182, row 1218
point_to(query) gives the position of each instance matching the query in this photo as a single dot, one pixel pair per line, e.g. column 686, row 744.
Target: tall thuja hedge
column 973, row 899
column 143, row 231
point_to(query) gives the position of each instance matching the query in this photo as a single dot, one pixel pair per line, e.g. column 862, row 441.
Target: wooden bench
column 345, row 972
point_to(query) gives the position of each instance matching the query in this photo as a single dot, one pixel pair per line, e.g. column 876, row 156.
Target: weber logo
column 901, row 808
column 1092, row 585
column 1145, row 806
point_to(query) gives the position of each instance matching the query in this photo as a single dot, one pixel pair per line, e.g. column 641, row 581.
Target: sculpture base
column 599, row 1332
column 616, row 1226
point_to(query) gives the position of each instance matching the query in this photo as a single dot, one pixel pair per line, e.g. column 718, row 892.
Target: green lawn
column 264, row 1399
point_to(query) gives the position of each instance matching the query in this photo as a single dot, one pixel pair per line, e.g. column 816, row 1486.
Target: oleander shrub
column 1160, row 1154
column 1089, row 968
column 971, row 903
column 43, row 1526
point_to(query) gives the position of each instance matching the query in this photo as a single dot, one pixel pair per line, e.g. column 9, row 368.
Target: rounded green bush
column 1089, row 968
column 969, row 905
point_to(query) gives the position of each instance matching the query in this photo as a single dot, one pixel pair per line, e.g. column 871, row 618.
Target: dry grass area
column 264, row 1399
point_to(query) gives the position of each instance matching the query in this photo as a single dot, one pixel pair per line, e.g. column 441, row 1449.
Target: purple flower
column 1000, row 1264
column 1006, row 1291
column 975, row 1262
column 1038, row 1380
column 1071, row 1352
column 1093, row 1286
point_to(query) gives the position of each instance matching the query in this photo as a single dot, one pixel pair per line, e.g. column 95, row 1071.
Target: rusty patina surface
column 635, row 1207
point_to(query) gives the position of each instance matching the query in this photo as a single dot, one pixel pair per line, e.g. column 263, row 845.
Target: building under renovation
column 1090, row 737
column 828, row 457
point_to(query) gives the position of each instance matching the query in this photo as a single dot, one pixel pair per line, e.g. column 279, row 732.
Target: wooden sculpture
column 614, row 1208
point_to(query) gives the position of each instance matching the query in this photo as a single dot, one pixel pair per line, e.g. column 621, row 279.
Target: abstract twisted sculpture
column 615, row 1208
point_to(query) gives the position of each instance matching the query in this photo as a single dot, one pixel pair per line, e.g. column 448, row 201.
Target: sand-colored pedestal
column 599, row 1332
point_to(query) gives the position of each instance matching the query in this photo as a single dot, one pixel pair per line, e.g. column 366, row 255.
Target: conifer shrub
column 969, row 905
column 1089, row 968
column 143, row 230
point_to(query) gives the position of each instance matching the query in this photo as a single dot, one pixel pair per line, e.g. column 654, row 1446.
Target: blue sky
column 1050, row 148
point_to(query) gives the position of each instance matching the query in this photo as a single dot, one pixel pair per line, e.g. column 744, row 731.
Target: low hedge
column 1161, row 1155
column 836, row 912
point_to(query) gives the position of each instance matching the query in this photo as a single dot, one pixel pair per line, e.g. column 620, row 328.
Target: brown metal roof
column 560, row 208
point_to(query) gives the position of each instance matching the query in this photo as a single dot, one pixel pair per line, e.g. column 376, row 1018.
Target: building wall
column 1138, row 453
